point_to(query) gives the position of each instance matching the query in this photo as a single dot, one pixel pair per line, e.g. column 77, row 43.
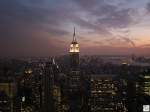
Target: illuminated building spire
column 74, row 53
column 74, row 46
column 74, row 35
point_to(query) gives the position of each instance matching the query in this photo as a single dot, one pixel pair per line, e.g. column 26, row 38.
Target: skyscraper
column 104, row 95
column 143, row 97
column 48, row 84
column 74, row 76
column 74, row 79
column 52, row 92
column 74, row 53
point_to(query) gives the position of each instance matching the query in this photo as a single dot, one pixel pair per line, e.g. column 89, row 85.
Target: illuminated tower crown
column 74, row 53
column 74, row 46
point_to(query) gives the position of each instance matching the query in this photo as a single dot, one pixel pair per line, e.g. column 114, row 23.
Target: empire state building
column 74, row 82
column 74, row 54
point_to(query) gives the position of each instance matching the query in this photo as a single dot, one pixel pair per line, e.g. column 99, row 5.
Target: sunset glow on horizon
column 45, row 27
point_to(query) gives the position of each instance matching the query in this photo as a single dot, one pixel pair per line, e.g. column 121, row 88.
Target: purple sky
column 45, row 27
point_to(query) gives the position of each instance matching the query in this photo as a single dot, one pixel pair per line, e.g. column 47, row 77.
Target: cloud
column 88, row 4
column 145, row 46
column 44, row 26
column 56, row 32
column 117, row 19
column 27, row 28
column 36, row 14
column 23, row 13
column 84, row 39
column 148, row 7
column 98, row 42
column 128, row 40
column 103, row 50
column 106, row 14
column 91, row 26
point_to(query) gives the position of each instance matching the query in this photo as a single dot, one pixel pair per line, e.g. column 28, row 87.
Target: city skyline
column 45, row 28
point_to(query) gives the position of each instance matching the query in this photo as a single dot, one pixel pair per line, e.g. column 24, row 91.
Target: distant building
column 144, row 83
column 25, row 86
column 143, row 94
column 57, row 99
column 7, row 94
column 104, row 95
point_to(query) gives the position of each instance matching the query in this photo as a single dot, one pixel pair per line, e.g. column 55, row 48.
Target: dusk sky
column 45, row 27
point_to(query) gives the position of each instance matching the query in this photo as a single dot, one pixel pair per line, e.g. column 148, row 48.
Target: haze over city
column 103, row 27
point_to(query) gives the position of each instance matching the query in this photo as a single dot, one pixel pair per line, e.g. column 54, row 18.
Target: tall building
column 143, row 96
column 7, row 93
column 74, row 78
column 52, row 92
column 104, row 95
column 74, row 53
column 144, row 82
column 128, row 83
column 25, row 86
column 48, row 83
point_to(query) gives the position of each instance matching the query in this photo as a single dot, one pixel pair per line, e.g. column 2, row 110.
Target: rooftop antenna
column 74, row 38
